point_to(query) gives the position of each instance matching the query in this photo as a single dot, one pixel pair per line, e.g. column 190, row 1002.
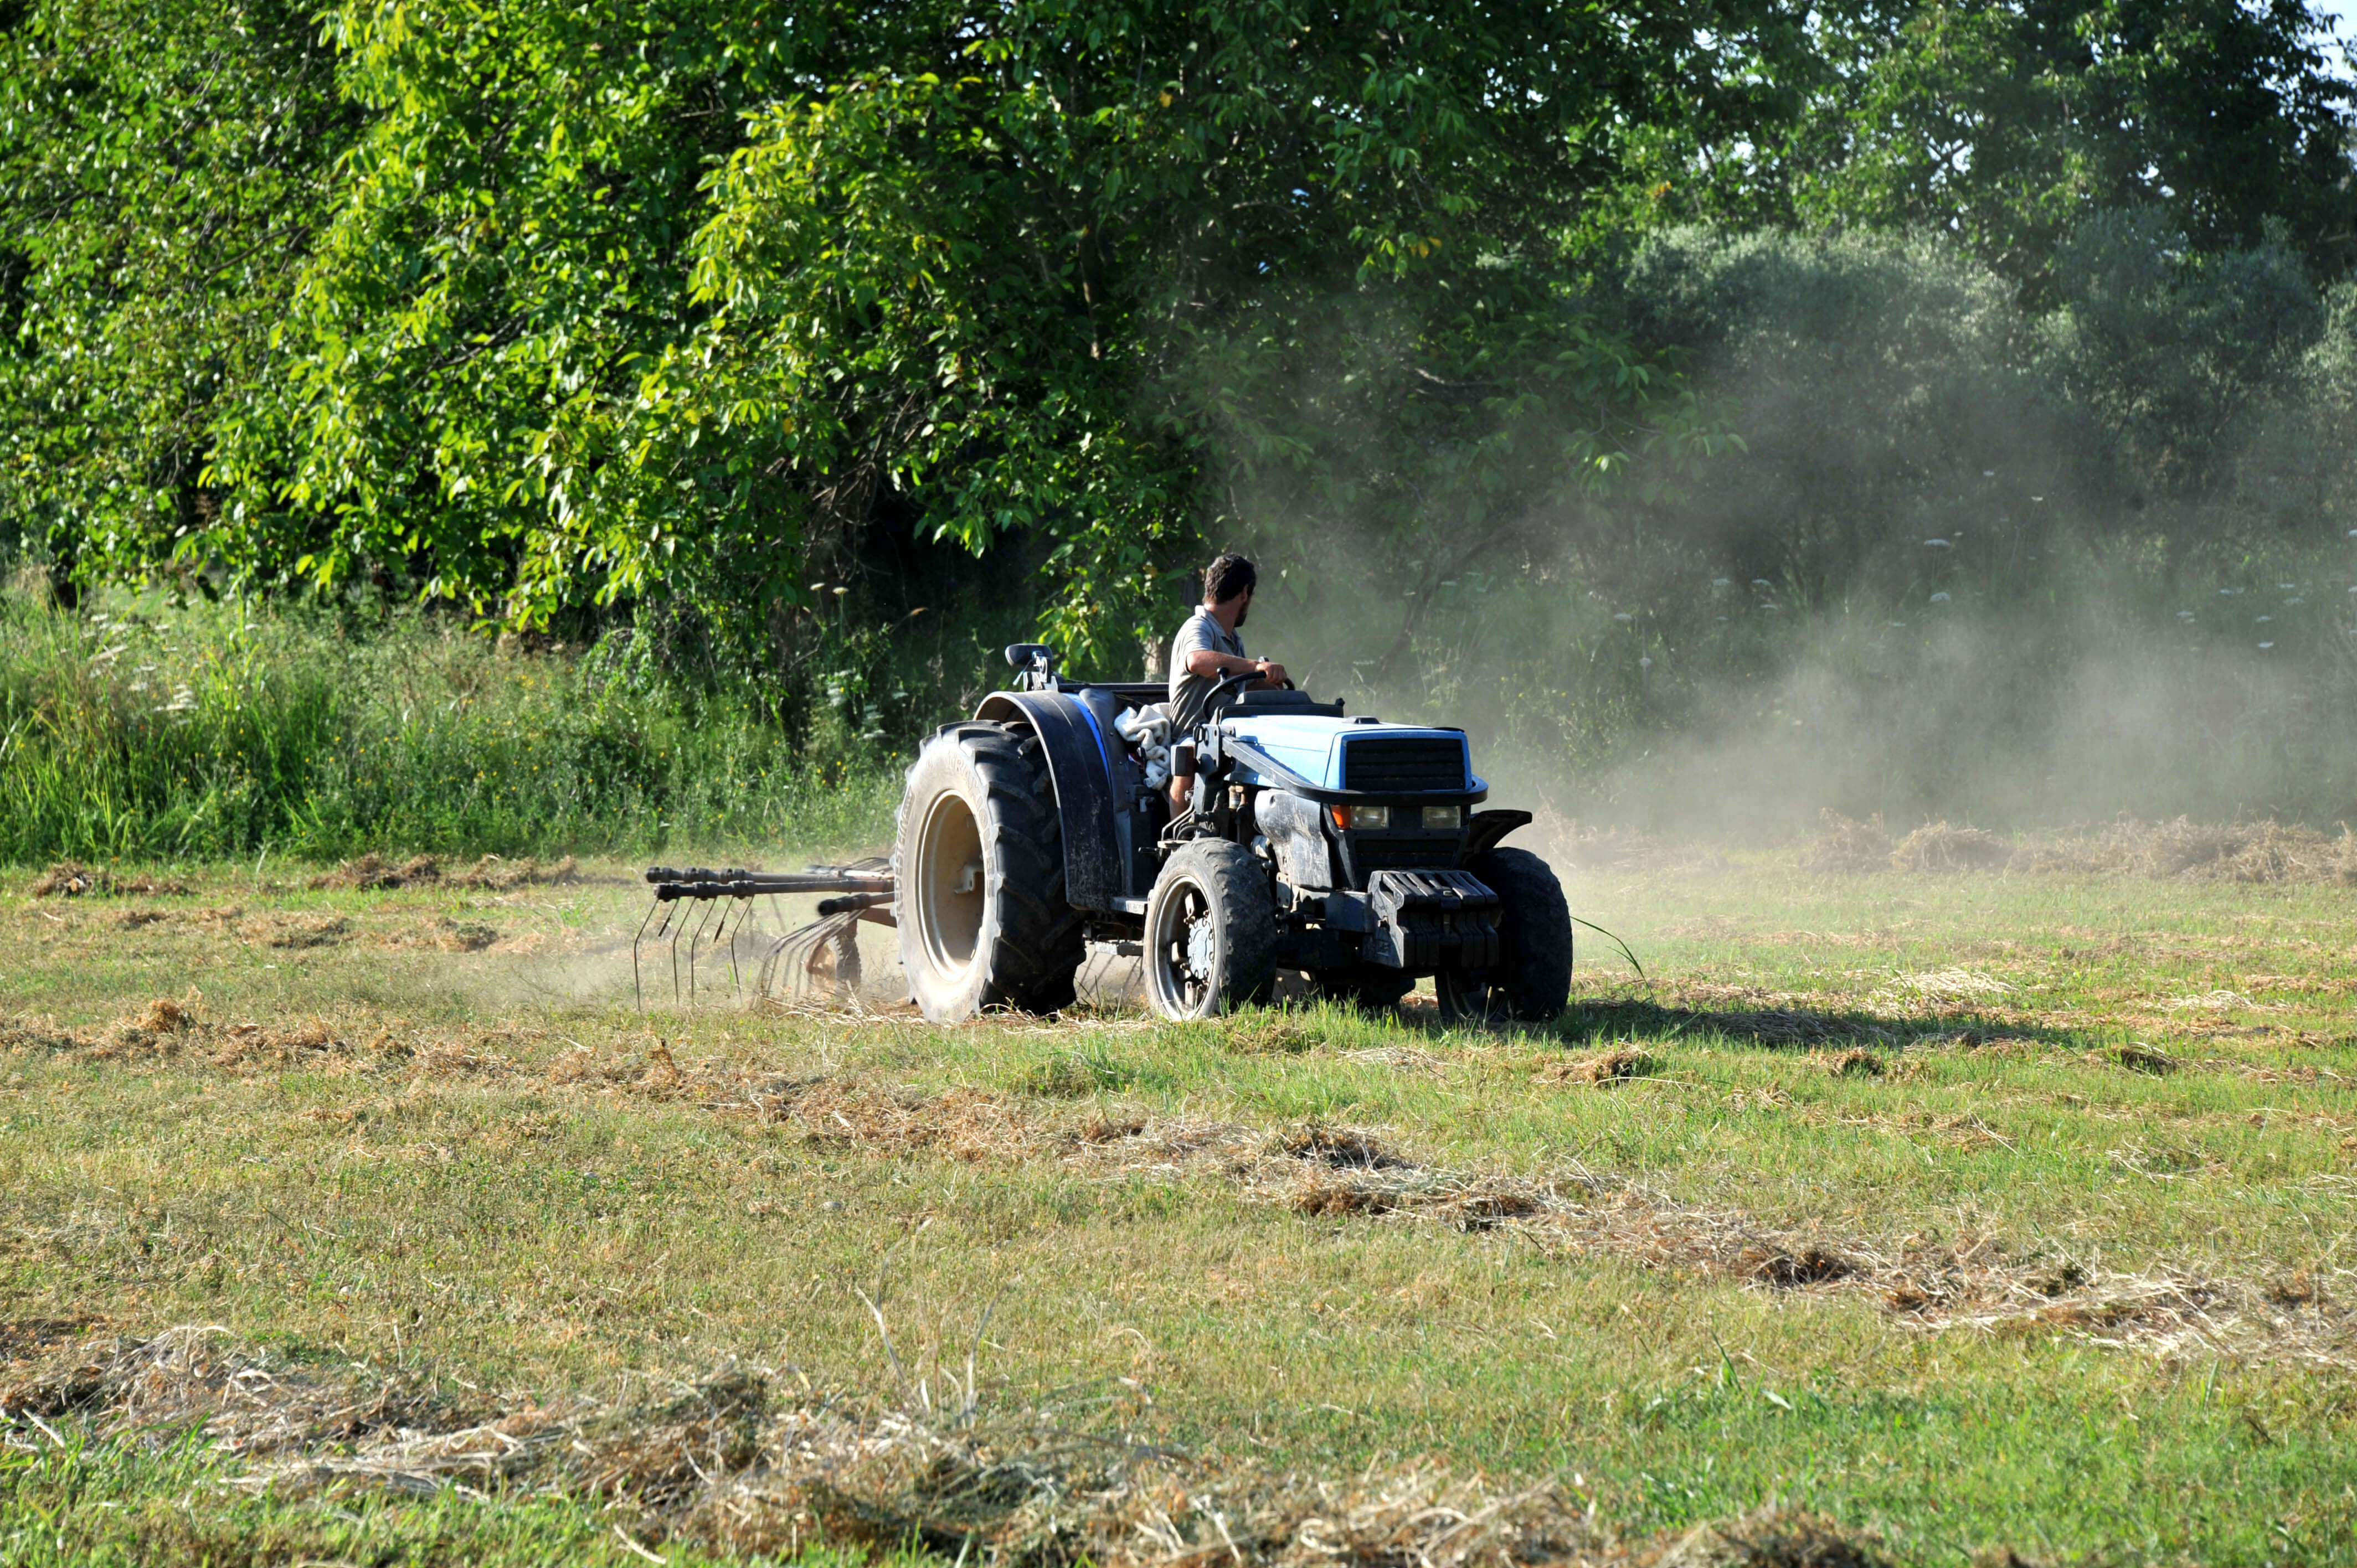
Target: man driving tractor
column 1207, row 650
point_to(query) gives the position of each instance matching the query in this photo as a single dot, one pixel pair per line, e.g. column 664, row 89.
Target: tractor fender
column 1296, row 831
column 1487, row 828
column 1084, row 784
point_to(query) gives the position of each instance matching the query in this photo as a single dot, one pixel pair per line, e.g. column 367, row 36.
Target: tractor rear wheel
column 979, row 878
column 1210, row 932
column 1531, row 982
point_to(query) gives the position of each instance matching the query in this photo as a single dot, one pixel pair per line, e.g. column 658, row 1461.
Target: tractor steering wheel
column 1230, row 688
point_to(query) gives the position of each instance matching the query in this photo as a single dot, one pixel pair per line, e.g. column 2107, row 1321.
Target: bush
column 133, row 728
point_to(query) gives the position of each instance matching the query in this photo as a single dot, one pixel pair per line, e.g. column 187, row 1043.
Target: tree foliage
column 538, row 304
column 164, row 173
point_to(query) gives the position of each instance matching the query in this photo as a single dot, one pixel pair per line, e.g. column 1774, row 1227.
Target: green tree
column 661, row 301
column 164, row 172
column 2007, row 122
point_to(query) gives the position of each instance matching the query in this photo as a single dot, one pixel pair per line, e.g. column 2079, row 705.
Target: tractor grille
column 1371, row 853
column 1384, row 765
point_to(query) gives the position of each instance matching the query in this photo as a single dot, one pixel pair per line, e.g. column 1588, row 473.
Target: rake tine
column 747, row 925
column 762, row 975
column 721, row 910
column 778, row 913
column 675, row 934
column 718, row 927
column 788, row 951
column 703, row 922
column 744, row 917
column 768, row 967
column 685, row 918
column 792, row 949
column 638, row 991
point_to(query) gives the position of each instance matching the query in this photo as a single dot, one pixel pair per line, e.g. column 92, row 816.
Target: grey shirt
column 1187, row 690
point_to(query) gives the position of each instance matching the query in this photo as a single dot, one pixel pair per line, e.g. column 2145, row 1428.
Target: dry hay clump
column 1845, row 846
column 445, row 935
column 169, row 1030
column 69, row 879
column 2204, row 852
column 1616, row 1064
column 251, row 1402
column 1939, row 848
column 1855, row 1062
column 373, row 873
column 969, row 1124
column 2137, row 1057
column 296, row 932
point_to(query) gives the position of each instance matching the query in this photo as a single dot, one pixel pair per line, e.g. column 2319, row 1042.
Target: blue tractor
column 1312, row 840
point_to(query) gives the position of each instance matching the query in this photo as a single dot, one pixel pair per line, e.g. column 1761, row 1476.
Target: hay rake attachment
column 714, row 910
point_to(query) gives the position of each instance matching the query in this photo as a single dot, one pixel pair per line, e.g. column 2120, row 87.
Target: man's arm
column 1211, row 663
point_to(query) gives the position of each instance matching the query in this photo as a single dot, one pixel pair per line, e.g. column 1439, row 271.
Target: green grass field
column 1943, row 1215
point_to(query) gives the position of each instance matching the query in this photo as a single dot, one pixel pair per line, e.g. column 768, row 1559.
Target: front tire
column 1531, row 983
column 979, row 879
column 1210, row 932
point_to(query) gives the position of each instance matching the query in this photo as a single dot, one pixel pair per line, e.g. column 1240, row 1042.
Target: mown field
column 1928, row 1216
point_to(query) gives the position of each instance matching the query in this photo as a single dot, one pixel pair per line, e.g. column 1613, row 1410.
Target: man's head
column 1231, row 576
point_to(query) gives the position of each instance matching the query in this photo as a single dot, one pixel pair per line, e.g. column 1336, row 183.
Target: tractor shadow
column 1608, row 1020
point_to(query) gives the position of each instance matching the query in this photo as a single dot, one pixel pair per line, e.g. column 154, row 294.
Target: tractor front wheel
column 1531, row 980
column 979, row 878
column 1210, row 932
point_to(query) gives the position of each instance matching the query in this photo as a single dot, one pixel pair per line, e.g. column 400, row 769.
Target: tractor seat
column 1283, row 702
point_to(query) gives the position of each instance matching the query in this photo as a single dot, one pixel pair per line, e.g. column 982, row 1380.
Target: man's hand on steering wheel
column 1263, row 672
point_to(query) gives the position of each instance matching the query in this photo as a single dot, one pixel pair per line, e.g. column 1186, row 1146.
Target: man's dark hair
column 1226, row 578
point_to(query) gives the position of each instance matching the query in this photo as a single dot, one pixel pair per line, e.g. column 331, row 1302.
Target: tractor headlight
column 1444, row 819
column 1363, row 817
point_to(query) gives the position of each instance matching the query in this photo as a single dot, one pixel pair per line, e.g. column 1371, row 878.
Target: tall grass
column 132, row 728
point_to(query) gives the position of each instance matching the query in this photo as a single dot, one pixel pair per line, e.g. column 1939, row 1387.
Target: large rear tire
column 979, row 878
column 1210, row 932
column 1531, row 980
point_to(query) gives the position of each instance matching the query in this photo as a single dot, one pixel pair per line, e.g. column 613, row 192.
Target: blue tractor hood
column 1415, row 759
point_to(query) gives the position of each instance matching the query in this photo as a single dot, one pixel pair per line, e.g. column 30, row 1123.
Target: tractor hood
column 1363, row 756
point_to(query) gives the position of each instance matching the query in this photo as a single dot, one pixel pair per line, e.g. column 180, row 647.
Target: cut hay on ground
column 372, row 873
column 2183, row 849
column 69, row 879
column 725, row 1465
column 1330, row 1169
column 1939, row 848
column 2199, row 852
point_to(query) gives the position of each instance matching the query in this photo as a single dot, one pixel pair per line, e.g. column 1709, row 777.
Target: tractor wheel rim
column 950, row 917
column 1182, row 950
column 1471, row 998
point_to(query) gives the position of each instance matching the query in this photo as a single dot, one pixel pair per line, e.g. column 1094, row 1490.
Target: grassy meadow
column 1928, row 1216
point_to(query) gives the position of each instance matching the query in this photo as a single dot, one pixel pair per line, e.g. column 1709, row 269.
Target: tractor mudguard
column 1488, row 827
column 1084, row 797
column 1296, row 831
